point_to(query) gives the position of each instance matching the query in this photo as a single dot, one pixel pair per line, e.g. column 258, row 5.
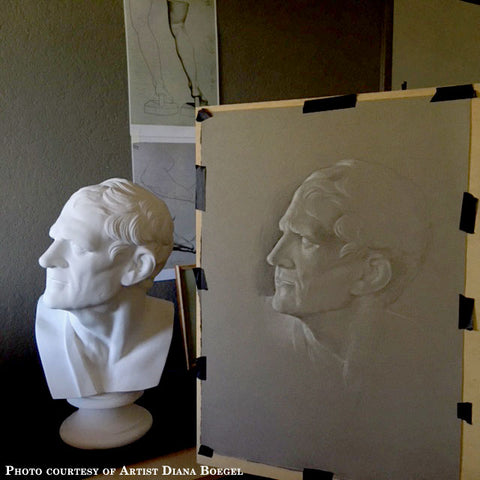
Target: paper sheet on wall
column 172, row 59
column 168, row 170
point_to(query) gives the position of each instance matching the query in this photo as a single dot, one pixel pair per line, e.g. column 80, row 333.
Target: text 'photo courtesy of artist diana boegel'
column 137, row 472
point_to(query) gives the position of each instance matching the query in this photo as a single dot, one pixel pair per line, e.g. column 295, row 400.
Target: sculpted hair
column 382, row 212
column 133, row 217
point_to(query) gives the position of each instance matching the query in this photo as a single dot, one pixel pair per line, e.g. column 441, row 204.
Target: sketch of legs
column 177, row 14
column 162, row 103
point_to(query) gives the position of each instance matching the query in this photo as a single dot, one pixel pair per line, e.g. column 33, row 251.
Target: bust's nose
column 54, row 256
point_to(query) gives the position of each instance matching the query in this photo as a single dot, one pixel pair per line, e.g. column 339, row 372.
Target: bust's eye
column 77, row 249
column 306, row 243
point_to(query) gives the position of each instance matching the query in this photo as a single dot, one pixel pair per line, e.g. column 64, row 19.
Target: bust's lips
column 50, row 278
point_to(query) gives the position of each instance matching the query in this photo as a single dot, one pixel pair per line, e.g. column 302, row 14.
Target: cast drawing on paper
column 162, row 102
column 353, row 237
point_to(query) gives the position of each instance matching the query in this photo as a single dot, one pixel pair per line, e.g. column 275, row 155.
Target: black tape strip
column 404, row 85
column 457, row 92
column 475, row 2
column 205, row 451
column 200, row 278
column 203, row 115
column 311, row 474
column 331, row 103
column 465, row 312
column 464, row 412
column 201, row 366
column 469, row 213
column 200, row 192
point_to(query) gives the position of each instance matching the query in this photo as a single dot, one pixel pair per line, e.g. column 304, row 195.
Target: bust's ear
column 377, row 273
column 139, row 268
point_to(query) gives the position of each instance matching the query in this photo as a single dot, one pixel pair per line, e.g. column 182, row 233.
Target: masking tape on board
column 465, row 312
column 469, row 213
column 330, row 103
column 456, row 92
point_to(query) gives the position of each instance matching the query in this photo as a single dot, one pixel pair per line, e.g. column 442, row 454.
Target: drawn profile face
column 310, row 275
column 80, row 270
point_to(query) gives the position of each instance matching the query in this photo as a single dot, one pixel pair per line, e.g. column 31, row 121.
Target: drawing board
column 366, row 384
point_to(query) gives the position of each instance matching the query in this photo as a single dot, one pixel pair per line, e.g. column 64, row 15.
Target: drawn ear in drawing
column 377, row 273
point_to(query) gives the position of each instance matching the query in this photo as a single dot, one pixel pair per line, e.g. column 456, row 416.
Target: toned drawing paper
column 334, row 261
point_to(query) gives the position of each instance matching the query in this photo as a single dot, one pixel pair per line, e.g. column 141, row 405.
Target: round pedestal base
column 100, row 428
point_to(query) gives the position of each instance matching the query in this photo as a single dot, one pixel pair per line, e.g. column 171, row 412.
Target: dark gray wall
column 431, row 34
column 63, row 124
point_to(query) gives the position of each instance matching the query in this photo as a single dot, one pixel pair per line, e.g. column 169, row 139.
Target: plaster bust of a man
column 97, row 331
column 353, row 237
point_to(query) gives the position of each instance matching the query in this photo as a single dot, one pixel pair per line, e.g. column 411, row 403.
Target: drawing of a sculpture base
column 106, row 421
column 161, row 106
column 102, row 340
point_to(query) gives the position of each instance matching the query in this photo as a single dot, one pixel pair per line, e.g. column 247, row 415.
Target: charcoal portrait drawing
column 346, row 253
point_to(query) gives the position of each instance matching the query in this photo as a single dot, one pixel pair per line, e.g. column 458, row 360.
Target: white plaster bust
column 96, row 329
column 353, row 237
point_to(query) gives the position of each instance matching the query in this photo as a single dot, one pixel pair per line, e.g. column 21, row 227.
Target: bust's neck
column 112, row 325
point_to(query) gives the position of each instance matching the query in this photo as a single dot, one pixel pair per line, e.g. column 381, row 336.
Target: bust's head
column 354, row 231
column 108, row 237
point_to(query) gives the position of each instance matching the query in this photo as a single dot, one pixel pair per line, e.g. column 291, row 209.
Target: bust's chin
column 54, row 301
column 65, row 296
column 59, row 302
